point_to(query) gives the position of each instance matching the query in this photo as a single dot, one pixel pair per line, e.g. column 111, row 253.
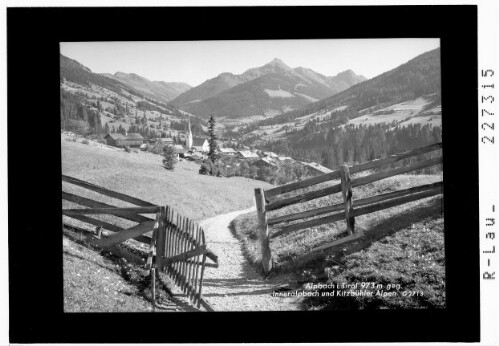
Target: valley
column 252, row 157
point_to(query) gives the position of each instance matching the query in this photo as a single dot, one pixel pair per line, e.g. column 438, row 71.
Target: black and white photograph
column 266, row 175
column 248, row 174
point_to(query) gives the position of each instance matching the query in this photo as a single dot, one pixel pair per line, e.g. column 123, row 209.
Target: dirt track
column 235, row 285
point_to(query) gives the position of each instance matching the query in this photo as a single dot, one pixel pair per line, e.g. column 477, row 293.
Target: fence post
column 346, row 188
column 263, row 230
column 153, row 288
column 160, row 237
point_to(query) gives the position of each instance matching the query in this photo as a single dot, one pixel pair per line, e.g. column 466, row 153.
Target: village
column 195, row 149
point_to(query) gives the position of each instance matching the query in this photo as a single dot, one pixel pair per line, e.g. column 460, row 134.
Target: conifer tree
column 212, row 140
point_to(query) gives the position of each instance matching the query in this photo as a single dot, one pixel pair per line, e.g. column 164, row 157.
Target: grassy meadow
column 143, row 176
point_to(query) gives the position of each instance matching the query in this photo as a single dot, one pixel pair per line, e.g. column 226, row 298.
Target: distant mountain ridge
column 75, row 72
column 271, row 89
column 420, row 76
column 163, row 91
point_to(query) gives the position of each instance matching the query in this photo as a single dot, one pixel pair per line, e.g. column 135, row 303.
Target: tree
column 106, row 128
column 253, row 172
column 243, row 169
column 212, row 140
column 170, row 157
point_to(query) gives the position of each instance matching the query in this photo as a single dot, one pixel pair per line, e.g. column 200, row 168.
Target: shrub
column 85, row 141
column 126, row 148
column 206, row 167
column 170, row 157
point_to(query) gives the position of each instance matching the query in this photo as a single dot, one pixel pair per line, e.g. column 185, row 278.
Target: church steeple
column 188, row 141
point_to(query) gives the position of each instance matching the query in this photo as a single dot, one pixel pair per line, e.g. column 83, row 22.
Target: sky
column 193, row 62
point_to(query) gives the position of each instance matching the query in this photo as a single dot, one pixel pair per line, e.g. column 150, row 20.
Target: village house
column 265, row 161
column 200, row 144
column 227, row 151
column 166, row 141
column 181, row 151
column 270, row 154
column 121, row 140
column 196, row 157
column 284, row 158
column 316, row 168
column 247, row 155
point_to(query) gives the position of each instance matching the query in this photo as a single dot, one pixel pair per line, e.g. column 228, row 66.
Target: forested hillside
column 334, row 146
column 76, row 117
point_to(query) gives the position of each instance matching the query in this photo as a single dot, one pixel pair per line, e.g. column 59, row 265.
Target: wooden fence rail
column 268, row 200
column 177, row 246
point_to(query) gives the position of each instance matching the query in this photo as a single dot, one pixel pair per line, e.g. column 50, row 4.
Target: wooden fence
column 177, row 246
column 269, row 200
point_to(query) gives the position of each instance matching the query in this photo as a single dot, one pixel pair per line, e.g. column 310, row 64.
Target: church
column 198, row 144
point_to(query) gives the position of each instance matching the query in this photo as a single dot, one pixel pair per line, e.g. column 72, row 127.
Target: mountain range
column 271, row 89
column 419, row 77
column 162, row 91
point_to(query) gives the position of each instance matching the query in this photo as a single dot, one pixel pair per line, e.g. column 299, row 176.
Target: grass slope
column 301, row 242
column 412, row 255
column 143, row 176
column 93, row 283
column 409, row 264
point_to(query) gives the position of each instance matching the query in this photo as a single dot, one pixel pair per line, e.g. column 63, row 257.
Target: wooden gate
column 177, row 246
column 180, row 251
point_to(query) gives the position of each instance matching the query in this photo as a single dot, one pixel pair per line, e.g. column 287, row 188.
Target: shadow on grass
column 86, row 259
column 432, row 209
column 133, row 274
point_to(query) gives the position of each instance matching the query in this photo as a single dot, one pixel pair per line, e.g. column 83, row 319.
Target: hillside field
column 143, row 176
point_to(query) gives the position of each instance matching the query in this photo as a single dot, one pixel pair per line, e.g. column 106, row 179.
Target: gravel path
column 235, row 285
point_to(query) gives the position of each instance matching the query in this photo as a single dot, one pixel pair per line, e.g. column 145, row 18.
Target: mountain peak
column 278, row 63
column 350, row 76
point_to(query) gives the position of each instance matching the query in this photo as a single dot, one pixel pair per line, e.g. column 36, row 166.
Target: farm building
column 181, row 150
column 200, row 144
column 121, row 140
column 246, row 154
column 134, row 139
column 265, row 161
column 196, row 157
column 270, row 154
column 166, row 140
column 315, row 167
column 284, row 158
column 227, row 151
